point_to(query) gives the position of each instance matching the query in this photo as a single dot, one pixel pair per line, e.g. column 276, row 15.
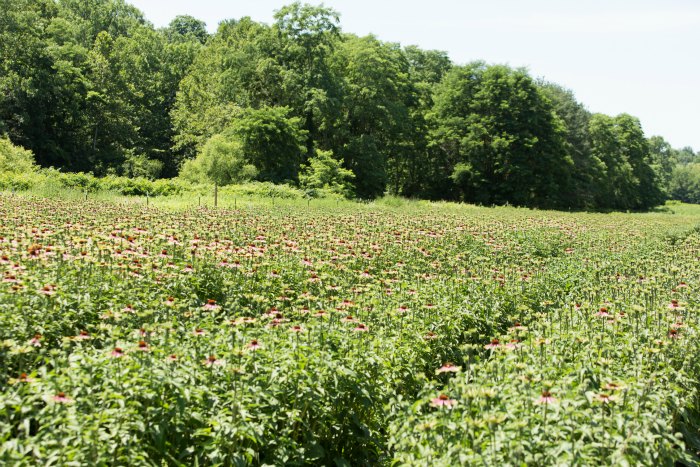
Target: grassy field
column 323, row 332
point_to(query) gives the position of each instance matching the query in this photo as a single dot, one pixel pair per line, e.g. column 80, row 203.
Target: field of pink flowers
column 360, row 335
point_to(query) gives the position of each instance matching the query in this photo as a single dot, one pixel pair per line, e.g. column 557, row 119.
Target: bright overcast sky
column 641, row 57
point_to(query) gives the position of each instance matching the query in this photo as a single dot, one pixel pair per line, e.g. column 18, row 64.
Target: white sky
column 641, row 57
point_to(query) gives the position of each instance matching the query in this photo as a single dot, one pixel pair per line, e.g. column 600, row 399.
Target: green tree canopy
column 272, row 141
column 684, row 184
column 374, row 115
column 185, row 28
column 14, row 158
column 222, row 162
column 629, row 180
column 501, row 137
column 327, row 173
column 91, row 85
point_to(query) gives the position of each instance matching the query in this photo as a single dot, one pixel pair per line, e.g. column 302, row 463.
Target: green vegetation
column 91, row 86
column 326, row 173
column 685, row 183
column 222, row 161
column 15, row 160
column 383, row 333
column 291, row 326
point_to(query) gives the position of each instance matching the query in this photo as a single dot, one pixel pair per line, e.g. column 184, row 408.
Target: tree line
column 91, row 85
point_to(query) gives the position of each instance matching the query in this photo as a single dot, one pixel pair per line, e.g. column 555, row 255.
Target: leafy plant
column 15, row 159
column 326, row 173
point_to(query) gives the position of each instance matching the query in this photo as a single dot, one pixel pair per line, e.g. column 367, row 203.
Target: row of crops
column 357, row 335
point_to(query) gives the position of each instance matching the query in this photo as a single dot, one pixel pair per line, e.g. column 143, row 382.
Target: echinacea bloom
column 253, row 345
column 605, row 398
column 118, row 352
column 673, row 333
column 296, row 328
column 443, row 401
column 349, row 319
column 612, row 386
column 274, row 323
column 603, row 312
column 674, row 304
column 35, row 341
column 272, row 313
column 212, row 360
column 199, row 332
column 211, row 305
column 170, row 301
column 83, row 335
column 430, row 335
column 495, row 343
column 143, row 346
column 9, row 278
column 546, row 398
column 171, row 358
column 448, row 368
column 361, row 328
column 23, row 378
column 62, row 398
column 513, row 344
column 47, row 290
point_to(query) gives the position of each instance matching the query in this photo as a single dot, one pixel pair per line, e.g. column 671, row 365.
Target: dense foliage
column 93, row 86
column 358, row 335
column 14, row 159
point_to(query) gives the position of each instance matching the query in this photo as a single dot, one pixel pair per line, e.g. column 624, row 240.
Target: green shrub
column 20, row 181
column 142, row 186
column 80, row 180
column 221, row 162
column 140, row 166
column 264, row 190
column 685, row 183
column 15, row 159
column 326, row 173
